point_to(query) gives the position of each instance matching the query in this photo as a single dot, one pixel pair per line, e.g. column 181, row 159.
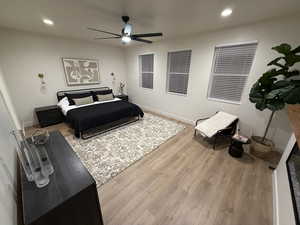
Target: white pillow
column 63, row 102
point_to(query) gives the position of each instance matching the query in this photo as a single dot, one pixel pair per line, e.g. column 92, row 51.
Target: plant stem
column 268, row 126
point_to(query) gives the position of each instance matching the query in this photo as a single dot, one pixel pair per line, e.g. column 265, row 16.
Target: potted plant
column 278, row 86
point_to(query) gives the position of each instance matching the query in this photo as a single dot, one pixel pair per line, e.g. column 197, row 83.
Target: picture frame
column 81, row 71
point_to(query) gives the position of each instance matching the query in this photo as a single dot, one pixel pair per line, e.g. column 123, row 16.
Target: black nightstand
column 123, row 97
column 49, row 115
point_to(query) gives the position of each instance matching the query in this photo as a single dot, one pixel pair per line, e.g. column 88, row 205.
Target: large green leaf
column 280, row 92
column 270, row 73
column 292, row 73
column 256, row 94
column 276, row 105
column 296, row 50
column 274, row 73
column 283, row 48
column 291, row 59
column 275, row 62
column 261, row 105
column 293, row 97
column 266, row 82
column 256, row 88
column 280, row 84
column 295, row 82
column 255, row 100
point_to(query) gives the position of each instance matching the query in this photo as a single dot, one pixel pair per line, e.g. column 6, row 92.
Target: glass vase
column 40, row 139
column 30, row 160
column 22, row 153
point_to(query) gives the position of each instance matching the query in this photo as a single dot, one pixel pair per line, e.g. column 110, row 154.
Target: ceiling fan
column 126, row 34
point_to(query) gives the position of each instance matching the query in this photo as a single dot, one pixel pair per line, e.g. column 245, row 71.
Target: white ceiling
column 172, row 17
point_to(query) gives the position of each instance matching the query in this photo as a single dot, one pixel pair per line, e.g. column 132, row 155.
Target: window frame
column 168, row 69
column 212, row 74
column 141, row 72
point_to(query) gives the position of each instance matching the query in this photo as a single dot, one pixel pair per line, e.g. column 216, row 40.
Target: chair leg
column 215, row 141
column 195, row 132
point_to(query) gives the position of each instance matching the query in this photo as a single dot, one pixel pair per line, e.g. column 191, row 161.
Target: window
column 146, row 70
column 230, row 70
column 178, row 71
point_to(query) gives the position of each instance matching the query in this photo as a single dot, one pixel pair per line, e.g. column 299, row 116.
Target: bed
column 92, row 119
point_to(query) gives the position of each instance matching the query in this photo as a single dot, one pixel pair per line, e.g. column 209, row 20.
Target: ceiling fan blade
column 141, row 40
column 103, row 31
column 147, row 35
column 106, row 38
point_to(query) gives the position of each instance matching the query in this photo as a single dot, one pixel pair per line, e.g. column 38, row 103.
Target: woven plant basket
column 261, row 150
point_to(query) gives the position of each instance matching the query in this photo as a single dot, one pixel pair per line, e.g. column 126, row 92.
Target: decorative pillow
column 101, row 92
column 71, row 96
column 106, row 97
column 63, row 102
column 83, row 101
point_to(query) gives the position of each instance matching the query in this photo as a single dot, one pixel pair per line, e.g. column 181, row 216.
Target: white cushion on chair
column 219, row 121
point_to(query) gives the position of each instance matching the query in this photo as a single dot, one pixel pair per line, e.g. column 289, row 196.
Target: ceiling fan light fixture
column 127, row 29
column 126, row 34
column 226, row 12
column 126, row 39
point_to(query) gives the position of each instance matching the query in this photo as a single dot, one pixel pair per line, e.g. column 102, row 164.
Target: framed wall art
column 81, row 71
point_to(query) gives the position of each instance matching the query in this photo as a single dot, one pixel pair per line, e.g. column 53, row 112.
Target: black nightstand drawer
column 49, row 115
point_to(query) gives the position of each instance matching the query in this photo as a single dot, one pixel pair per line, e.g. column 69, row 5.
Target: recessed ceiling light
column 226, row 12
column 48, row 22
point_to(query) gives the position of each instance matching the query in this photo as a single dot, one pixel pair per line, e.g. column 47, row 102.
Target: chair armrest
column 198, row 120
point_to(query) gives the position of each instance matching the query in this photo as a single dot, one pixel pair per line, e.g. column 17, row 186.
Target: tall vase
column 30, row 160
column 39, row 140
column 22, row 154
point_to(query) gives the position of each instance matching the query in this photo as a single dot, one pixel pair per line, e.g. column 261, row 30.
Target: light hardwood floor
column 185, row 182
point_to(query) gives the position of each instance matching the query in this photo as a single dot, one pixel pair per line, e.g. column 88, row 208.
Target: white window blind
column 178, row 71
column 146, row 70
column 230, row 70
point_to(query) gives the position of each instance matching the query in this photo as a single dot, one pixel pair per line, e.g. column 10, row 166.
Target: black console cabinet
column 49, row 115
column 71, row 196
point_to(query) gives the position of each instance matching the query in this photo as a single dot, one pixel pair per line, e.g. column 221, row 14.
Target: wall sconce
column 43, row 88
column 113, row 75
column 41, row 76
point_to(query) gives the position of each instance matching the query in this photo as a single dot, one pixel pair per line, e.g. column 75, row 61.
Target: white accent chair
column 220, row 124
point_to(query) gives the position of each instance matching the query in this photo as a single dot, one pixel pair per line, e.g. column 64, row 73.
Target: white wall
column 7, row 98
column 8, row 163
column 23, row 55
column 195, row 104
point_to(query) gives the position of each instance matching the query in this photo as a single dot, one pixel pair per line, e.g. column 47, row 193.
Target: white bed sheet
column 66, row 108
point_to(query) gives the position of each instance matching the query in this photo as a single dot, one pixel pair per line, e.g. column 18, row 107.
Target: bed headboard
column 62, row 94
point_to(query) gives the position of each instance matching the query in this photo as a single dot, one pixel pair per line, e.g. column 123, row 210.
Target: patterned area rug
column 108, row 154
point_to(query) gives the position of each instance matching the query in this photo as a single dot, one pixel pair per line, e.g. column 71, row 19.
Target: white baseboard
column 168, row 114
column 275, row 199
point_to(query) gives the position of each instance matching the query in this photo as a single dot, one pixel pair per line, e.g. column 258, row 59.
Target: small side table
column 236, row 149
column 123, row 97
column 49, row 115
